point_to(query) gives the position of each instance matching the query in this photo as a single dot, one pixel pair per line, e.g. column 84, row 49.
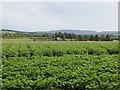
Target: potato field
column 60, row 65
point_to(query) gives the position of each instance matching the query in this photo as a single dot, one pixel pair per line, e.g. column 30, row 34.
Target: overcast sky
column 45, row 16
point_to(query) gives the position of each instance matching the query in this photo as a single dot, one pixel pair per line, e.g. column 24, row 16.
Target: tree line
column 78, row 37
column 54, row 36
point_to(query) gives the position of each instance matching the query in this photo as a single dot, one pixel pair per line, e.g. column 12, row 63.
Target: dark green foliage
column 102, row 38
column 96, row 38
column 60, row 66
column 70, row 72
column 91, row 38
column 46, row 36
column 58, row 49
column 107, row 38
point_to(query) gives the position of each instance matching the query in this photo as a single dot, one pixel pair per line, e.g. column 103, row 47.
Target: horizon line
column 57, row 30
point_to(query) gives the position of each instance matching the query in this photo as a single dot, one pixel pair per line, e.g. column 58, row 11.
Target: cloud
column 53, row 15
column 60, row 1
column 0, row 15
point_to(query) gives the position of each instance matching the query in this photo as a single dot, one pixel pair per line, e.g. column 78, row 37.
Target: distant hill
column 108, row 32
column 86, row 32
column 74, row 31
column 81, row 32
column 4, row 31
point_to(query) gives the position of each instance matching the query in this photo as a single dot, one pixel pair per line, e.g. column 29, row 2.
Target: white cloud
column 47, row 16
column 59, row 0
column 0, row 15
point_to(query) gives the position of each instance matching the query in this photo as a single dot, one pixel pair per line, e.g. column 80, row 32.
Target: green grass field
column 59, row 65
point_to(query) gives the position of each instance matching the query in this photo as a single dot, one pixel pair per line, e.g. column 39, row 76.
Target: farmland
column 60, row 65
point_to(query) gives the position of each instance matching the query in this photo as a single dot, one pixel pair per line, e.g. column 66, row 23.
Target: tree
column 107, row 38
column 96, row 38
column 102, row 38
column 80, row 38
column 85, row 38
column 77, row 38
column 63, row 38
column 91, row 38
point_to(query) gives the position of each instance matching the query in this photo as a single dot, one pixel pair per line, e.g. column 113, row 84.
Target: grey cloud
column 47, row 16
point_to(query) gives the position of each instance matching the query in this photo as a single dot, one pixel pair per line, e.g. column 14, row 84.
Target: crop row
column 69, row 72
column 58, row 49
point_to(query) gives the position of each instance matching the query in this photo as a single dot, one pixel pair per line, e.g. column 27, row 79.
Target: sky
column 46, row 16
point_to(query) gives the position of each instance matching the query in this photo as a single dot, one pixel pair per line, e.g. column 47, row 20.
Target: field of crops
column 60, row 66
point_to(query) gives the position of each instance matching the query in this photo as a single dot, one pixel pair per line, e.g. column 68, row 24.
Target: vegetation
column 61, row 65
column 57, row 36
